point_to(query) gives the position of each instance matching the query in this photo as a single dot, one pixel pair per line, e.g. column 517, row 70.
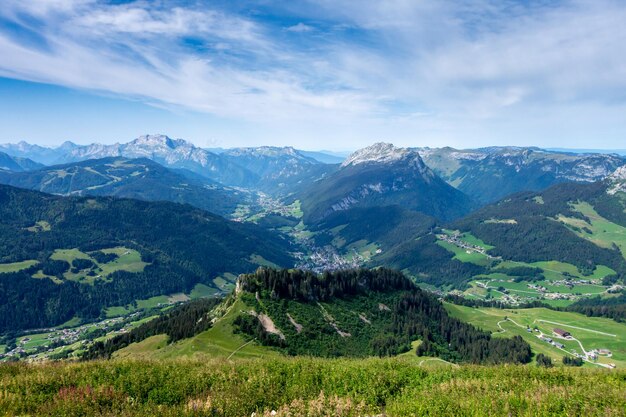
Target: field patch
column 259, row 260
column 594, row 333
column 122, row 259
column 16, row 266
column 40, row 226
column 202, row 291
column 597, row 229
column 465, row 255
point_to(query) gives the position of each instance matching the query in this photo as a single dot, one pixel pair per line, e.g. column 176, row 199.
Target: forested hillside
column 387, row 226
column 580, row 227
column 361, row 313
column 42, row 238
column 532, row 227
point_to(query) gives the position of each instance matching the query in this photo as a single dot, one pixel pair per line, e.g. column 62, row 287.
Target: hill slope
column 16, row 164
column 140, row 178
column 560, row 243
column 351, row 313
column 360, row 313
column 61, row 257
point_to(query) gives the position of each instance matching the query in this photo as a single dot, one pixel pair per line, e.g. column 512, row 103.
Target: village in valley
column 70, row 340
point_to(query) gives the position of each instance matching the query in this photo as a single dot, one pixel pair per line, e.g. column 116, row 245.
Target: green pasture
column 593, row 332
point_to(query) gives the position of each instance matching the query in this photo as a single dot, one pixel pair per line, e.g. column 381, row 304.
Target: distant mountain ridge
column 267, row 168
column 16, row 164
column 488, row 174
column 139, row 178
column 39, row 154
column 484, row 174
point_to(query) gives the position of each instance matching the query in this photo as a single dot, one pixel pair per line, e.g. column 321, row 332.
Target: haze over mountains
column 264, row 168
column 16, row 164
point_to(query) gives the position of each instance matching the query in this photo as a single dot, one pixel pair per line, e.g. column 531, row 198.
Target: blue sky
column 315, row 74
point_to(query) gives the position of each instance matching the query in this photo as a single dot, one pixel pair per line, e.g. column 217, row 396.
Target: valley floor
column 305, row 386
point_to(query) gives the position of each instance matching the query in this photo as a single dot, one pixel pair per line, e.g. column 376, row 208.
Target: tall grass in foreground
column 305, row 387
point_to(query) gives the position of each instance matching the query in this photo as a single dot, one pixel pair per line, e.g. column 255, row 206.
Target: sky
column 325, row 74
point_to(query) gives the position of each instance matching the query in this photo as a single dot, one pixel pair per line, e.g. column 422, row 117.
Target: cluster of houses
column 552, row 342
column 570, row 283
column 327, row 259
column 556, row 295
column 591, row 355
column 455, row 239
column 62, row 337
column 559, row 296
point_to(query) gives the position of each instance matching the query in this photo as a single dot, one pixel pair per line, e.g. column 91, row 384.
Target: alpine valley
column 157, row 249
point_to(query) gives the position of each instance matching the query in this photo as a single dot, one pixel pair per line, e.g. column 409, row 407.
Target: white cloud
column 426, row 68
column 300, row 28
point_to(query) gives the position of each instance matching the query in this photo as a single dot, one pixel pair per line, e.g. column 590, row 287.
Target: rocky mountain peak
column 67, row 146
column 158, row 141
column 617, row 181
column 382, row 153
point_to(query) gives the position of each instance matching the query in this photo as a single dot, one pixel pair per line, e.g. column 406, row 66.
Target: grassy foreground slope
column 312, row 387
column 219, row 341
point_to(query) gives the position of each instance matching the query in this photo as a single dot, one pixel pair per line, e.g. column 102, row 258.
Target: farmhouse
column 561, row 332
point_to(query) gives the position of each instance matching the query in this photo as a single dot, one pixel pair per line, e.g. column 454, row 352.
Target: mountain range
column 266, row 168
column 489, row 174
column 484, row 174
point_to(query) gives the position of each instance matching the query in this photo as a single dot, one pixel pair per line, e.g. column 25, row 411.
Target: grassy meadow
column 305, row 387
column 17, row 266
column 217, row 342
column 592, row 332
